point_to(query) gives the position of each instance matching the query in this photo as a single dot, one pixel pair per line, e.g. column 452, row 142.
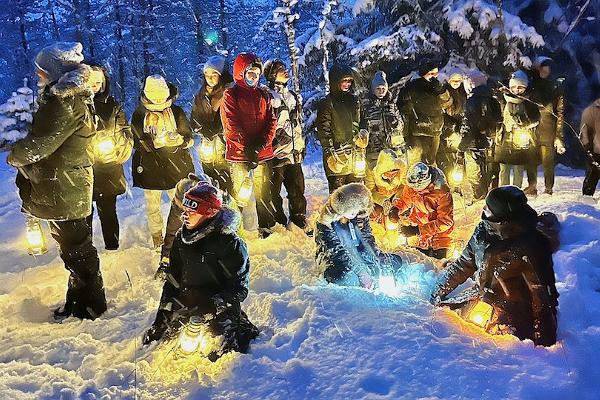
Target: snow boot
column 531, row 191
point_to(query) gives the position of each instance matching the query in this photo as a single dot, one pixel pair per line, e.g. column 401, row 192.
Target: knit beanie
column 419, row 176
column 426, row 66
column 506, row 202
column 541, row 61
column 203, row 199
column 59, row 58
column 215, row 63
column 272, row 68
column 455, row 73
column 379, row 79
column 518, row 78
column 156, row 89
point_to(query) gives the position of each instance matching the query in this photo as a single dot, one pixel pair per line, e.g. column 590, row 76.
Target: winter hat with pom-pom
column 519, row 78
column 59, row 58
column 156, row 89
column 419, row 176
column 214, row 63
column 272, row 68
column 353, row 199
column 379, row 80
column 203, row 199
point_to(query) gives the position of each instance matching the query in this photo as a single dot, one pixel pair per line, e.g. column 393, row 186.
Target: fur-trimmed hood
column 227, row 222
column 73, row 83
column 348, row 199
column 387, row 161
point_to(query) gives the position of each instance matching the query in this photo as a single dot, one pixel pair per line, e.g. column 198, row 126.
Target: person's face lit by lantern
column 212, row 78
column 381, row 91
column 192, row 219
column 252, row 75
column 431, row 74
column 455, row 81
column 545, row 71
column 283, row 76
column 517, row 89
column 96, row 80
column 345, row 84
column 43, row 78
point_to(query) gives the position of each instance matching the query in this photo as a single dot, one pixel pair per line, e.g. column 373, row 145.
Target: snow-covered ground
column 317, row 341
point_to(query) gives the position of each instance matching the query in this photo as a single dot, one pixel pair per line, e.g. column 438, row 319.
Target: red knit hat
column 202, row 199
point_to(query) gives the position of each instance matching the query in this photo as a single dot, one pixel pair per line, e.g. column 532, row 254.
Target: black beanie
column 271, row 68
column 506, row 202
column 427, row 65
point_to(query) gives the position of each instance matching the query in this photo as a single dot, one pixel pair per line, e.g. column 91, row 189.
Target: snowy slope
column 318, row 341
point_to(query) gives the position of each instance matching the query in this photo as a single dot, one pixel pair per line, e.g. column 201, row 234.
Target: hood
column 227, row 222
column 350, row 198
column 241, row 63
column 102, row 95
column 73, row 83
column 336, row 74
column 388, row 161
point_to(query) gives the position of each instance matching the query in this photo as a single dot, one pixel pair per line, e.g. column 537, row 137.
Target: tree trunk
column 222, row 24
column 120, row 49
column 55, row 29
column 89, row 29
column 290, row 33
column 146, row 35
column 78, row 24
column 23, row 33
column 200, row 48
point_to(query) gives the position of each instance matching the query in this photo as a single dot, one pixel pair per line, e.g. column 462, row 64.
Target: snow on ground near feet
column 318, row 341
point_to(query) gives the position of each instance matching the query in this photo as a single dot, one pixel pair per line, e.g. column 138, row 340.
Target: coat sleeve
column 141, row 141
column 183, row 127
column 331, row 254
column 123, row 135
column 457, row 271
column 236, row 261
column 52, row 126
column 271, row 119
column 324, row 121
column 171, row 287
column 173, row 225
column 356, row 118
column 402, row 202
column 230, row 117
column 585, row 129
column 560, row 117
column 445, row 217
column 195, row 120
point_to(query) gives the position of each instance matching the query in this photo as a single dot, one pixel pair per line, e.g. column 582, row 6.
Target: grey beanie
column 59, row 58
column 216, row 63
column 379, row 79
column 519, row 78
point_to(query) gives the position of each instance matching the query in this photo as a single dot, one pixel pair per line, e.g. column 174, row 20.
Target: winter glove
column 460, row 158
column 163, row 268
column 251, row 154
column 559, row 146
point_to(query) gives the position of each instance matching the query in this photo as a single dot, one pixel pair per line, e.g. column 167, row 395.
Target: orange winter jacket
column 432, row 211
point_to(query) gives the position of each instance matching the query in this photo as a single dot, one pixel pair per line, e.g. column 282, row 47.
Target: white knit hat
column 215, row 63
column 156, row 89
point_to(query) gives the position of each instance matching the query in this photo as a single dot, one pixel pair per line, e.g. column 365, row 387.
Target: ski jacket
column 432, row 210
column 111, row 124
column 55, row 160
column 288, row 145
column 247, row 115
column 421, row 104
column 513, row 271
column 384, row 189
column 160, row 168
column 590, row 127
column 382, row 119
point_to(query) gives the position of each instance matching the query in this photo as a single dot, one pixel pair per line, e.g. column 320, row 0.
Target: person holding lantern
column 427, row 199
column 510, row 258
column 113, row 144
column 206, row 121
column 55, row 177
column 289, row 147
column 162, row 136
column 516, row 144
column 250, row 125
column 338, row 118
column 208, row 275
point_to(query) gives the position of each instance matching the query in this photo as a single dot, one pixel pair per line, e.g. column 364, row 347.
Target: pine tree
column 16, row 116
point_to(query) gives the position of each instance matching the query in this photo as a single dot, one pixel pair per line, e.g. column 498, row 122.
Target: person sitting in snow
column 208, row 274
column 346, row 248
column 428, row 199
column 510, row 258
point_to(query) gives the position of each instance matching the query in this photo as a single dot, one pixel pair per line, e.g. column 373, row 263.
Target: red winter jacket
column 432, row 211
column 247, row 115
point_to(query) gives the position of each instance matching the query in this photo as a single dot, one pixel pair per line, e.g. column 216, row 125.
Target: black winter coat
column 208, row 264
column 548, row 94
column 55, row 159
column 206, row 116
column 453, row 116
column 421, row 104
column 513, row 271
column 160, row 169
column 382, row 119
column 109, row 178
column 481, row 122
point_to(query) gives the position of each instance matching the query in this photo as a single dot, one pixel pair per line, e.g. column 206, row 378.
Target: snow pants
column 106, row 206
column 292, row 178
column 592, row 175
column 85, row 292
column 262, row 190
column 547, row 154
column 153, row 204
column 423, row 148
column 517, row 174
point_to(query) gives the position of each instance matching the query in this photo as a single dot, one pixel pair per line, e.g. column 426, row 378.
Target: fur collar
column 74, row 83
column 227, row 221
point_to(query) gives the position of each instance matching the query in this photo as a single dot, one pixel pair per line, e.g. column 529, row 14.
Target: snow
column 318, row 341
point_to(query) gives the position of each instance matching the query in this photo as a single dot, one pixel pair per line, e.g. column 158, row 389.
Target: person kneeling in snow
column 346, row 247
column 510, row 258
column 208, row 274
column 427, row 196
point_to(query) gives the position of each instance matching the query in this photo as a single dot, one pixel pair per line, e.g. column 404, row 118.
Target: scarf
column 160, row 124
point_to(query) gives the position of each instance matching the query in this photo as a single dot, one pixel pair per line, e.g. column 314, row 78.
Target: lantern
column 207, row 151
column 387, row 284
column 245, row 191
column 521, row 138
column 193, row 337
column 360, row 163
column 480, row 314
column 105, row 147
column 397, row 139
column 36, row 241
column 457, row 175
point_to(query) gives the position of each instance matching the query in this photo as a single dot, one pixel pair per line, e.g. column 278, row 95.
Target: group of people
column 379, row 156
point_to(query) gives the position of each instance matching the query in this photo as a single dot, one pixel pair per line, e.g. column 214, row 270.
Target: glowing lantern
column 207, row 151
column 521, row 138
column 391, row 225
column 480, row 314
column 360, row 164
column 105, row 147
column 245, row 191
column 396, row 139
column 387, row 284
column 193, row 337
column 36, row 241
column 457, row 175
